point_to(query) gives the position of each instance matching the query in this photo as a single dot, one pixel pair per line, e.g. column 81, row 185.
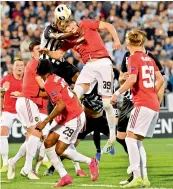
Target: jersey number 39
column 148, row 75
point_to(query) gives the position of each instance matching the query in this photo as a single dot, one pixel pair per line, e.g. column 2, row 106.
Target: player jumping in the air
column 98, row 66
column 145, row 80
column 11, row 86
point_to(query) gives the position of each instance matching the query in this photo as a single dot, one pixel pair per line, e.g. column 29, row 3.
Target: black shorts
column 95, row 124
column 65, row 70
column 124, row 115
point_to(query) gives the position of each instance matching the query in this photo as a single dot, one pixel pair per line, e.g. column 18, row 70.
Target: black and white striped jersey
column 124, row 68
column 50, row 43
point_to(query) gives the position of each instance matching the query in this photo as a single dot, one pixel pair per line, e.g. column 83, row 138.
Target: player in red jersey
column 145, row 80
column 11, row 85
column 27, row 109
column 70, row 119
column 98, row 66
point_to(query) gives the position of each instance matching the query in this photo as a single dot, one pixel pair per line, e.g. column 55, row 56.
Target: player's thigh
column 27, row 111
column 104, row 75
column 69, row 132
column 6, row 122
column 140, row 120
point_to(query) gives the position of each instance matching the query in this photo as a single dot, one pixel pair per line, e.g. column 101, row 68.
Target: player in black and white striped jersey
column 53, row 40
column 128, row 104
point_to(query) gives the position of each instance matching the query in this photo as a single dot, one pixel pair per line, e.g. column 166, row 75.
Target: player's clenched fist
column 116, row 45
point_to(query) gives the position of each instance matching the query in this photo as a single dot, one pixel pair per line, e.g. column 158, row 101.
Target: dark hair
column 33, row 44
column 44, row 67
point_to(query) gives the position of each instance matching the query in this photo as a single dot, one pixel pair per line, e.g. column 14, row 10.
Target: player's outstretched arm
column 111, row 29
column 40, row 81
column 60, row 105
column 60, row 36
column 127, row 85
column 53, row 54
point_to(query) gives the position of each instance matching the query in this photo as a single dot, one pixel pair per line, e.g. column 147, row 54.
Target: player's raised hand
column 40, row 126
column 116, row 45
column 6, row 85
column 43, row 51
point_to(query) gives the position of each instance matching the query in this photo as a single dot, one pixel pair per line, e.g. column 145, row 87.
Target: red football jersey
column 143, row 91
column 93, row 47
column 9, row 104
column 57, row 88
column 30, row 87
column 43, row 107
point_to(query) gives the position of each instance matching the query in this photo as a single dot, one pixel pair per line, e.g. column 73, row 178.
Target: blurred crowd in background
column 22, row 22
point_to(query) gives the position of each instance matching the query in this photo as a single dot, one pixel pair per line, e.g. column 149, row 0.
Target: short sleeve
column 54, row 91
column 124, row 61
column 133, row 65
column 88, row 23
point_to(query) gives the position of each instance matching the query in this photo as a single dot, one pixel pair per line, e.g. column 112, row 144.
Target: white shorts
column 28, row 112
column 98, row 71
column 7, row 119
column 45, row 131
column 143, row 121
column 69, row 132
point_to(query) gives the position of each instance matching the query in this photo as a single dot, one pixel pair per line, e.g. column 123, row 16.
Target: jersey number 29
column 148, row 73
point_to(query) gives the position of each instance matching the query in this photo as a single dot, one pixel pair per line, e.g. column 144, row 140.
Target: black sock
column 96, row 138
column 123, row 143
column 51, row 169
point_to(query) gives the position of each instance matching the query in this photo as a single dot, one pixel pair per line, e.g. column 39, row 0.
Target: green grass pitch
column 112, row 168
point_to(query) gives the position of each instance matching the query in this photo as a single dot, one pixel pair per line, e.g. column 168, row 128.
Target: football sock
column 78, row 90
column 123, row 143
column 31, row 148
column 143, row 159
column 110, row 115
column 76, row 164
column 96, row 138
column 56, row 161
column 134, row 156
column 4, row 149
column 42, row 151
column 20, row 154
column 76, row 156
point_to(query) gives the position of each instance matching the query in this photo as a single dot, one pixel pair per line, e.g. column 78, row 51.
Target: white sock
column 143, row 159
column 19, row 155
column 76, row 164
column 37, row 166
column 134, row 156
column 56, row 161
column 4, row 149
column 42, row 150
column 78, row 90
column 110, row 115
column 76, row 156
column 31, row 148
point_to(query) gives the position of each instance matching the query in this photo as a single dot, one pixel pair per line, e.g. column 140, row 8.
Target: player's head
column 18, row 67
column 135, row 39
column 34, row 47
column 44, row 68
column 67, row 26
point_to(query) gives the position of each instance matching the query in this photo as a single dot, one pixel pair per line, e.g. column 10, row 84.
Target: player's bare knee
column 121, row 135
column 48, row 143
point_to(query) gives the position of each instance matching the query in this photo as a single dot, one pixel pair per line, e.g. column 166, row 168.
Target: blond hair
column 136, row 37
column 62, row 24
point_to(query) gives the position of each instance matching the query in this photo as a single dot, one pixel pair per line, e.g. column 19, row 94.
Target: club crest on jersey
column 36, row 119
